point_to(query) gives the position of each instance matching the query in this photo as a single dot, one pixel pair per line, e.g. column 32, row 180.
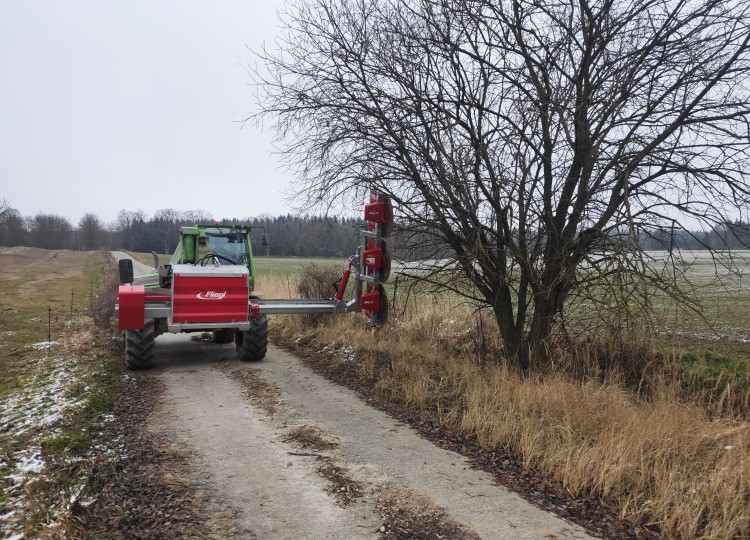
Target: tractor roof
column 201, row 228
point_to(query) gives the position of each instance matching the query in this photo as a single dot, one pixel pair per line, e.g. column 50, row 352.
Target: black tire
column 225, row 335
column 252, row 344
column 139, row 347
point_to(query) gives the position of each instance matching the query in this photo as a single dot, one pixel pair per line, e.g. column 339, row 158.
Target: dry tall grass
column 664, row 456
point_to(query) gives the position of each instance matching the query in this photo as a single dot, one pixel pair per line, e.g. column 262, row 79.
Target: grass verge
column 57, row 394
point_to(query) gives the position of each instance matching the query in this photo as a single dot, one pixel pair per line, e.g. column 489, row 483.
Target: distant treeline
column 299, row 236
column 295, row 236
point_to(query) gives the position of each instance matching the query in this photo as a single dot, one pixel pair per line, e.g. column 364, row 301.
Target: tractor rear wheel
column 225, row 335
column 139, row 346
column 252, row 344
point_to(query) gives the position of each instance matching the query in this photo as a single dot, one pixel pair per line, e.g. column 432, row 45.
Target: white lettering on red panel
column 211, row 295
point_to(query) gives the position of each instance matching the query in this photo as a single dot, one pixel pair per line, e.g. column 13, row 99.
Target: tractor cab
column 229, row 246
column 205, row 245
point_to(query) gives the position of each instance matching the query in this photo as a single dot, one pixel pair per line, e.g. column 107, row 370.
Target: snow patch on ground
column 29, row 460
column 25, row 418
column 42, row 345
column 347, row 354
column 42, row 403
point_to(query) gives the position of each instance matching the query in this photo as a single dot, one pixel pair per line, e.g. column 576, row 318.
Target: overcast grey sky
column 106, row 105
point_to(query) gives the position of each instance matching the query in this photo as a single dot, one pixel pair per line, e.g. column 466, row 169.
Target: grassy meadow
column 32, row 281
column 55, row 396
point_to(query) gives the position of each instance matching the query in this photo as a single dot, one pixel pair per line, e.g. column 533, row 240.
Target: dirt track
column 297, row 456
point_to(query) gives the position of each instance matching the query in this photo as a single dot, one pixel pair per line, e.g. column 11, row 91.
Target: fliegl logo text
column 211, row 295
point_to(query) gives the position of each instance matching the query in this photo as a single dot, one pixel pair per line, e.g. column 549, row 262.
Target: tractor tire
column 225, row 335
column 252, row 344
column 139, row 347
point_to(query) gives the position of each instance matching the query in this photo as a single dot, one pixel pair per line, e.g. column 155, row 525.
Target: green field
column 290, row 267
column 709, row 309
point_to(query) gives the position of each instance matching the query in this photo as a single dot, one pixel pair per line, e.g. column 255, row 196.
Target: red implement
column 209, row 299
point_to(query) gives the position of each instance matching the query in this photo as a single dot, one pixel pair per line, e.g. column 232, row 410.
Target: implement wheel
column 252, row 344
column 225, row 335
column 139, row 347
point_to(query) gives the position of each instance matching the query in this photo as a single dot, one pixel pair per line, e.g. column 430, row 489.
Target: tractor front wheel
column 252, row 344
column 139, row 346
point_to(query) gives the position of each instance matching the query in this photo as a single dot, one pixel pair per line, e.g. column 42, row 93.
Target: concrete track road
column 236, row 421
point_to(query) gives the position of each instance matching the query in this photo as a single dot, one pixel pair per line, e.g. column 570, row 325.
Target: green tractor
column 209, row 286
column 215, row 255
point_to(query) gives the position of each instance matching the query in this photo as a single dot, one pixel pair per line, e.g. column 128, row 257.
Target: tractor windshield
column 229, row 244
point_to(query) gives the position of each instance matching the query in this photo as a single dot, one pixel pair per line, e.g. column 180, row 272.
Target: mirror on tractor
column 125, row 267
column 156, row 259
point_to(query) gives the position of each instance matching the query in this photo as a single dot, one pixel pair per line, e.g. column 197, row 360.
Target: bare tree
column 532, row 142
column 130, row 225
column 196, row 217
column 90, row 232
column 167, row 227
column 50, row 231
column 4, row 208
column 13, row 231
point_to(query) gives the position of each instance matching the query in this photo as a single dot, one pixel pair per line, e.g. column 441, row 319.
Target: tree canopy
column 528, row 139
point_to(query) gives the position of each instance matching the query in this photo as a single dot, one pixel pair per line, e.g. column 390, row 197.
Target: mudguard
column 132, row 307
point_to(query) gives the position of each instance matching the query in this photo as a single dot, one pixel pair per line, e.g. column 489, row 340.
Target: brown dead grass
column 310, row 436
column 409, row 513
column 311, row 440
column 669, row 459
column 34, row 268
column 343, row 489
column 261, row 393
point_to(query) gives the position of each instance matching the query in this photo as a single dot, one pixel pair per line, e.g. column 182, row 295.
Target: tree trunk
column 547, row 305
column 511, row 330
column 542, row 323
